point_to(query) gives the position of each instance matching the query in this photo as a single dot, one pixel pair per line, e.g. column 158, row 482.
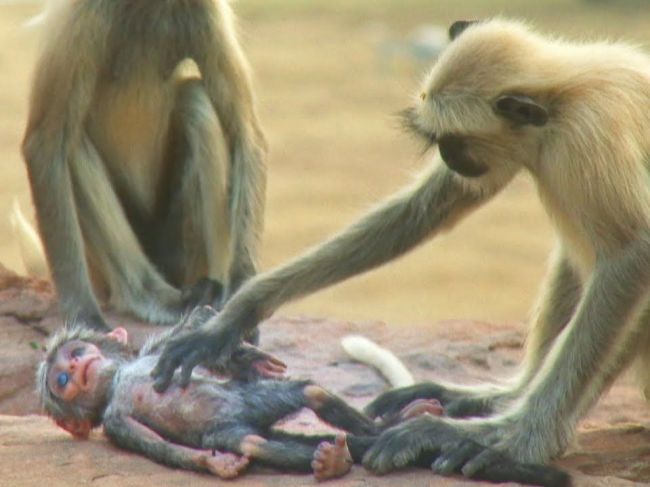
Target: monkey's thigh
column 112, row 247
column 195, row 231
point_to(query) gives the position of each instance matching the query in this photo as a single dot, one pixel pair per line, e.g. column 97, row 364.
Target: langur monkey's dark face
column 474, row 105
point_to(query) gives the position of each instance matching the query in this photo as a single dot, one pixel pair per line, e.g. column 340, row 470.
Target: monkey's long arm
column 435, row 203
column 63, row 89
column 130, row 434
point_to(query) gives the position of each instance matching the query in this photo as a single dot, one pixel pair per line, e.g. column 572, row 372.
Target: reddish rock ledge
column 612, row 447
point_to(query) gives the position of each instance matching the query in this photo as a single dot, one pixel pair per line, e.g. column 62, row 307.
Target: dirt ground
column 610, row 448
column 327, row 94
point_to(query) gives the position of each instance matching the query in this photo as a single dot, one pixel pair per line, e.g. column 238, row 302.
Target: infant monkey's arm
column 132, row 435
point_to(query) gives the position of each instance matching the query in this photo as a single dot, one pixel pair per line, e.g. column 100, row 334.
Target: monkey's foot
column 457, row 403
column 225, row 465
column 332, row 460
column 205, row 291
column 421, row 406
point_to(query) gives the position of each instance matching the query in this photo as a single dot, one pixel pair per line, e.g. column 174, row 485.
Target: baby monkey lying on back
column 89, row 378
column 215, row 425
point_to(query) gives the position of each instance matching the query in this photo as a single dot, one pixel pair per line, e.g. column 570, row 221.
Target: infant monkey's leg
column 280, row 450
column 337, row 412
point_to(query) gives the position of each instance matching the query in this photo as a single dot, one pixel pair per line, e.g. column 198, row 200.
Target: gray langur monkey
column 145, row 157
column 503, row 100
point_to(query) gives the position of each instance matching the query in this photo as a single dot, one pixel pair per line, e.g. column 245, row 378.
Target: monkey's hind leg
column 193, row 248
column 113, row 249
column 337, row 412
column 285, row 454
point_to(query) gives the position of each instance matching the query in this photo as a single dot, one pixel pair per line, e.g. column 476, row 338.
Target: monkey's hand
column 449, row 449
column 212, row 346
column 224, row 465
column 249, row 363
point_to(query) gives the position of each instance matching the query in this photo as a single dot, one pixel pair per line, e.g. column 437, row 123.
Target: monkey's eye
column 62, row 379
column 77, row 352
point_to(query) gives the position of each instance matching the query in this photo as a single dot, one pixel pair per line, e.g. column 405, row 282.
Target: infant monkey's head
column 74, row 380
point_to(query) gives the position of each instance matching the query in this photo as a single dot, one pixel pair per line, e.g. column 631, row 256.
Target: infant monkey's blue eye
column 62, row 379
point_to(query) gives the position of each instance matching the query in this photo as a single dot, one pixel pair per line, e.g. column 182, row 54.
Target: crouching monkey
column 503, row 100
column 90, row 378
column 145, row 157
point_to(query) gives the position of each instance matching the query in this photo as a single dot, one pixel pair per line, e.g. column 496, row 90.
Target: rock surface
column 612, row 447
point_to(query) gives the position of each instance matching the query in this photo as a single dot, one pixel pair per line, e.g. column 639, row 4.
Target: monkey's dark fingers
column 163, row 373
column 481, row 463
column 187, row 366
column 174, row 356
column 204, row 291
column 406, row 443
column 454, row 455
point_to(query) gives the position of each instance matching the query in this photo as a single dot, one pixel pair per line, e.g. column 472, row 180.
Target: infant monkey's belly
column 177, row 411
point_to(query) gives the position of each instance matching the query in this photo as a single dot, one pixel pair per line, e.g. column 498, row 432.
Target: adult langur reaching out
column 145, row 157
column 502, row 100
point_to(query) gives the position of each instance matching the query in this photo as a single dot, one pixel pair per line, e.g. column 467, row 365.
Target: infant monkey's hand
column 249, row 362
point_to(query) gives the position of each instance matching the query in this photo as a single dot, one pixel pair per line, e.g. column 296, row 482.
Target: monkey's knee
column 316, row 396
column 251, row 445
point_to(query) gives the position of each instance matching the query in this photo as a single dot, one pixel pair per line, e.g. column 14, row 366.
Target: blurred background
column 330, row 75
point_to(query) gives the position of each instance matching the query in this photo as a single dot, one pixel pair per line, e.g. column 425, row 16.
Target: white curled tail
column 368, row 352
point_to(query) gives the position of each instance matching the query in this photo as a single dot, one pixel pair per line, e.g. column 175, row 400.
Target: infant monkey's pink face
column 75, row 370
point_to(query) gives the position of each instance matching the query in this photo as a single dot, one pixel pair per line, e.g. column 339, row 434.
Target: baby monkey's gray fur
column 184, row 427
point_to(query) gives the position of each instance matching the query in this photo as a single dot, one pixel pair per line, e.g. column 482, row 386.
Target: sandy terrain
column 327, row 98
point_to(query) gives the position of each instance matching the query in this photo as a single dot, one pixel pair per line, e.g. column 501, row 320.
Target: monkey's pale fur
column 144, row 153
column 576, row 118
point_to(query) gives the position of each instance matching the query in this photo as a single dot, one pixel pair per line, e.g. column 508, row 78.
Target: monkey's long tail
column 368, row 352
column 31, row 247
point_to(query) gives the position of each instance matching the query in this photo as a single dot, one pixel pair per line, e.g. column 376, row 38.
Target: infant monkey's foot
column 332, row 460
column 420, row 407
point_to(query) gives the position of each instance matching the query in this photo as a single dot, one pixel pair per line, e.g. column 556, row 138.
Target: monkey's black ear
column 458, row 27
column 521, row 109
